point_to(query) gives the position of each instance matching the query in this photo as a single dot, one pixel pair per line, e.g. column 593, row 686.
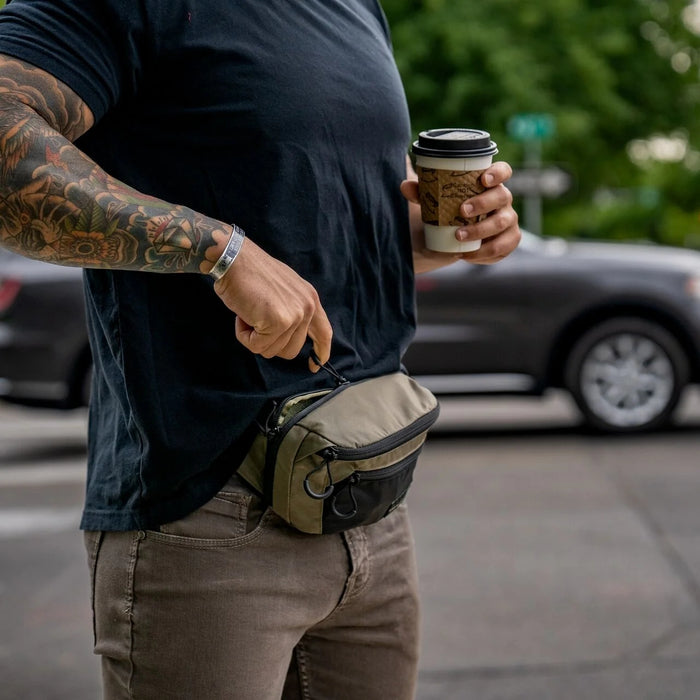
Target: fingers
column 289, row 344
column 271, row 343
column 495, row 248
column 409, row 189
column 276, row 309
column 490, row 212
column 284, row 334
column 495, row 197
column 499, row 234
column 496, row 174
column 494, row 221
column 321, row 334
column 268, row 343
column 492, row 198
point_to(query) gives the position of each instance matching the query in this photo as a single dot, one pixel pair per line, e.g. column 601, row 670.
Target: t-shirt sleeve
column 96, row 47
column 381, row 16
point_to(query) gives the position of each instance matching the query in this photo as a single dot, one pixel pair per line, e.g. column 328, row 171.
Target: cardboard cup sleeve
column 442, row 192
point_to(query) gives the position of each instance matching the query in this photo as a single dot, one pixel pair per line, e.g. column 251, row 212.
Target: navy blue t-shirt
column 287, row 118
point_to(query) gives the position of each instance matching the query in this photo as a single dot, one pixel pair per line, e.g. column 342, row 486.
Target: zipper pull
column 344, row 515
column 328, row 367
column 268, row 429
column 329, row 454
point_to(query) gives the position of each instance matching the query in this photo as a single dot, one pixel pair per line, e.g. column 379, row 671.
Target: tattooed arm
column 57, row 205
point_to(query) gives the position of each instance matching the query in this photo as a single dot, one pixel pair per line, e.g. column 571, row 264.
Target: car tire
column 626, row 375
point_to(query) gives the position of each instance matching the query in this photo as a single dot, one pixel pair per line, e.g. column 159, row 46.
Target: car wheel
column 626, row 375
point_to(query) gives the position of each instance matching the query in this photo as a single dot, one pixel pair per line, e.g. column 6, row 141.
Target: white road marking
column 34, row 476
column 16, row 522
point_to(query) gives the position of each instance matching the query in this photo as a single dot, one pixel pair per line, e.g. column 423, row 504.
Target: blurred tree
column 613, row 76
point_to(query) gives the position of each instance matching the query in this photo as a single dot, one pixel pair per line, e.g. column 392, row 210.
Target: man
column 189, row 116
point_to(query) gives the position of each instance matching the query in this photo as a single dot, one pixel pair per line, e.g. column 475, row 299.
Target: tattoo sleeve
column 57, row 205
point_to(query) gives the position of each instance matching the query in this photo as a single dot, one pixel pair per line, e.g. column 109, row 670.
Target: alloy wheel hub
column 627, row 380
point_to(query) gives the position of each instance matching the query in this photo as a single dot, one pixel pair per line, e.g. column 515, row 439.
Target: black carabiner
column 344, row 516
column 329, row 489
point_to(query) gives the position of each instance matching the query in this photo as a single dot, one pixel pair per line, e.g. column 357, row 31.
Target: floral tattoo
column 57, row 205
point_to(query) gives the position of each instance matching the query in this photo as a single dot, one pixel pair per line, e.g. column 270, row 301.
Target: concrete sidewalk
column 565, row 568
column 554, row 565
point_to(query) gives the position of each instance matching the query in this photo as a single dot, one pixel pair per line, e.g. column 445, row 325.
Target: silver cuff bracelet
column 233, row 247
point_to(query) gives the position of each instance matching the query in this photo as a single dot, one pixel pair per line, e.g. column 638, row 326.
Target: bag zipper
column 274, row 415
column 272, row 424
column 358, row 477
column 349, row 454
column 276, row 434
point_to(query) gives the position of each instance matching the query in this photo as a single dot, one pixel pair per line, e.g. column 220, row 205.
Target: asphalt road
column 554, row 563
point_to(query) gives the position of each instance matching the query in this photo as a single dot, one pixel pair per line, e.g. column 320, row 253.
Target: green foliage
column 603, row 70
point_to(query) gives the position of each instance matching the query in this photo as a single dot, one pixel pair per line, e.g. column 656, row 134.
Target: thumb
column 409, row 189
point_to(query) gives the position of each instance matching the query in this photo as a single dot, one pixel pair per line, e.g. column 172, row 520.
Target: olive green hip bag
column 333, row 459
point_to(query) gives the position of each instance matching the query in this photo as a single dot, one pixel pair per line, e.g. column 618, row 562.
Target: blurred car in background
column 44, row 354
column 617, row 325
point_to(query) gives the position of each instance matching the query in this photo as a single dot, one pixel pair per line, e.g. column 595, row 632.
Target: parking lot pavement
column 554, row 564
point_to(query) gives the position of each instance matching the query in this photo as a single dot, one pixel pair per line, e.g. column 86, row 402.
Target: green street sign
column 531, row 127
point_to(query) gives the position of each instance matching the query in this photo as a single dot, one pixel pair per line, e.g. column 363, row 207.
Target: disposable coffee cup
column 449, row 163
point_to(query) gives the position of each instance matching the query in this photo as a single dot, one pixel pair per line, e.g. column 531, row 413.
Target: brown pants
column 231, row 603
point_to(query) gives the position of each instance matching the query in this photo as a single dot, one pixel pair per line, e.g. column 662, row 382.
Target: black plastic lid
column 454, row 143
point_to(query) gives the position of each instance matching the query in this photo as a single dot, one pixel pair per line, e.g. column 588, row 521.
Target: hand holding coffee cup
column 449, row 164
